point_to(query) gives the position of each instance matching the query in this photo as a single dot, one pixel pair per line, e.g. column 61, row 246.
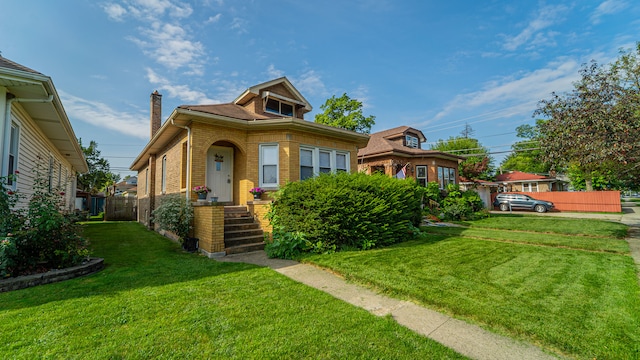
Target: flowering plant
column 256, row 191
column 201, row 189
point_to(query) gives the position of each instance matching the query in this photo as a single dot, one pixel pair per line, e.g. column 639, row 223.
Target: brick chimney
column 156, row 112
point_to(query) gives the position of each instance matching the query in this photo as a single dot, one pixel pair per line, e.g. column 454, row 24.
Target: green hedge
column 348, row 210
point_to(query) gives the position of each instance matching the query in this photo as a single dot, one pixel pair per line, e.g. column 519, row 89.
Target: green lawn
column 154, row 301
column 575, row 295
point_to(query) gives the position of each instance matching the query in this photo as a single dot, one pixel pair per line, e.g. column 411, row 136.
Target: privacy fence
column 582, row 201
column 119, row 208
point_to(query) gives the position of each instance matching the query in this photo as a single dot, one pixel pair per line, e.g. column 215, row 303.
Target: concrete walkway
column 469, row 340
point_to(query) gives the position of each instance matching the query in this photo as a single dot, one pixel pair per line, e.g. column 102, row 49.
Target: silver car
column 508, row 202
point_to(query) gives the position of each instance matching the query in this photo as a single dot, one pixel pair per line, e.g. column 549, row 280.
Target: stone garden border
column 21, row 282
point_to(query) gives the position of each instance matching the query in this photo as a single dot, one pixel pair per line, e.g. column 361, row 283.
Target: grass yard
column 154, row 301
column 567, row 285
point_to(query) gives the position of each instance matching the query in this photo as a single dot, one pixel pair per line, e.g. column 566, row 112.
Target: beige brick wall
column 208, row 227
column 259, row 209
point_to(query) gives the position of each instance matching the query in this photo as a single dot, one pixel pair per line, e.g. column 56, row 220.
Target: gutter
column 5, row 129
column 188, row 155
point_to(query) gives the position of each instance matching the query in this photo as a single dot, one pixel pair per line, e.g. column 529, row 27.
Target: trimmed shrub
column 174, row 214
column 348, row 210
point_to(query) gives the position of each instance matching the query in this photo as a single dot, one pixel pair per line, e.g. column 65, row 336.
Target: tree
column 99, row 175
column 478, row 163
column 526, row 155
column 594, row 127
column 346, row 113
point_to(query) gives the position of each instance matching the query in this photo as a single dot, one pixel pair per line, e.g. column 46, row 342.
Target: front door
column 220, row 173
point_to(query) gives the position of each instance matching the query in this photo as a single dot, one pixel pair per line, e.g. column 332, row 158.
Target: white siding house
column 35, row 132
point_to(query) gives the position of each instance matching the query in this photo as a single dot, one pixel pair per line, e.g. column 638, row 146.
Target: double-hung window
column 411, row 141
column 314, row 161
column 530, row 187
column 446, row 176
column 268, row 165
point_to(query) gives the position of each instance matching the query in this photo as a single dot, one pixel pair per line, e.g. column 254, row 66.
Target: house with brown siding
column 261, row 139
column 35, row 131
column 400, row 150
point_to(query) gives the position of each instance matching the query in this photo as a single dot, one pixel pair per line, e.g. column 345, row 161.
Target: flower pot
column 202, row 196
column 257, row 196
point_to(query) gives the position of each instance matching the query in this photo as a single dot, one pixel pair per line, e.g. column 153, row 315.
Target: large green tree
column 526, row 155
column 478, row 163
column 345, row 112
column 593, row 128
column 99, row 175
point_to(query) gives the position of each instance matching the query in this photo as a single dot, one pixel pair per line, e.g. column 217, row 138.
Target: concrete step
column 228, row 235
column 244, row 248
column 243, row 240
column 241, row 226
column 239, row 220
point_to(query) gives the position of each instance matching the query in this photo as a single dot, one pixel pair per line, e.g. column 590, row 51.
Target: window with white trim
column 421, row 175
column 163, row 184
column 13, row 155
column 446, row 176
column 411, row 141
column 314, row 161
column 278, row 107
column 530, row 187
column 268, row 171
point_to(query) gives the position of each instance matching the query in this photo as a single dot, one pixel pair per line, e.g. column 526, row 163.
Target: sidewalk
column 469, row 340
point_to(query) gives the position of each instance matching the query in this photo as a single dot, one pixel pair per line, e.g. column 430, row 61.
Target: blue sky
column 433, row 65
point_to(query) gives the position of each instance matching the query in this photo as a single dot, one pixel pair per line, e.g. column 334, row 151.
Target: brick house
column 261, row 139
column 394, row 150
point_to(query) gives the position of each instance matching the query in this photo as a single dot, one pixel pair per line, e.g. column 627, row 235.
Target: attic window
column 412, row 142
column 279, row 107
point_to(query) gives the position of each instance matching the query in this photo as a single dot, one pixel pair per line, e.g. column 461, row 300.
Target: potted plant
column 202, row 191
column 257, row 192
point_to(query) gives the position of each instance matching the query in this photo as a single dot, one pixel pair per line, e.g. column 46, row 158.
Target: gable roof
column 515, row 176
column 380, row 144
column 255, row 91
column 38, row 96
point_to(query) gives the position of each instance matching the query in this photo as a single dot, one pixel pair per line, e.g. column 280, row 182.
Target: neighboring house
column 35, row 131
column 126, row 188
column 259, row 140
column 518, row 181
column 399, row 150
column 484, row 189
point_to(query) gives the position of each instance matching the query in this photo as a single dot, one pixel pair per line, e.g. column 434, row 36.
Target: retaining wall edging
column 21, row 282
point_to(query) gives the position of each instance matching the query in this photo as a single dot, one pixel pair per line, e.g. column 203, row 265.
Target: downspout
column 5, row 131
column 188, row 155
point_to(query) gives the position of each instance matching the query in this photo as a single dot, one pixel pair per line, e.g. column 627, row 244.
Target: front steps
column 241, row 233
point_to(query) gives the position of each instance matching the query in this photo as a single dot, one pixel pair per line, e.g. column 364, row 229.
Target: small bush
column 42, row 237
column 286, row 245
column 348, row 210
column 455, row 204
column 174, row 214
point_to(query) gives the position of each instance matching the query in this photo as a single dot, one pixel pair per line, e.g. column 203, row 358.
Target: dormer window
column 278, row 107
column 411, row 141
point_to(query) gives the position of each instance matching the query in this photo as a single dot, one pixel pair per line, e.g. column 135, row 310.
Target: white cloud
column 115, row 11
column 607, row 7
column 213, row 19
column 274, row 73
column 510, row 96
column 310, row 83
column 546, row 17
column 240, row 25
column 182, row 92
column 170, row 46
column 103, row 116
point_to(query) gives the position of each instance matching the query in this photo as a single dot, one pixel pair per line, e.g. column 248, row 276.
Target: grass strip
column 558, row 225
column 584, row 242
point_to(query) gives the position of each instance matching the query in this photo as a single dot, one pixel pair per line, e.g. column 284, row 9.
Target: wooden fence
column 581, row 201
column 120, row 208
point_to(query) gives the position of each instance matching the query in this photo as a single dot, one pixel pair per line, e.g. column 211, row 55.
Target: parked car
column 506, row 202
